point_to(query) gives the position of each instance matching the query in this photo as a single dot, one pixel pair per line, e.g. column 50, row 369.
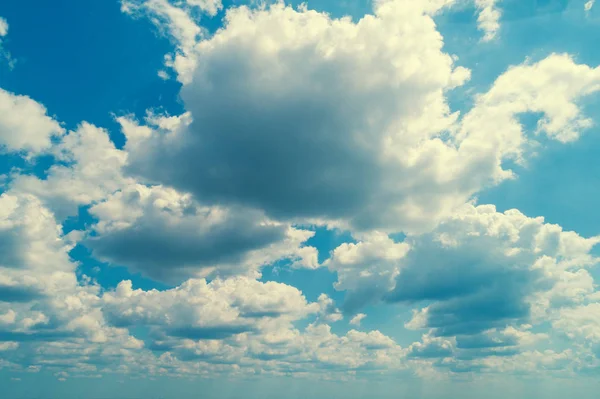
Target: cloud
column 179, row 22
column 87, row 170
column 259, row 157
column 201, row 310
column 580, row 323
column 431, row 348
column 369, row 142
column 551, row 87
column 170, row 237
column 228, row 326
column 240, row 321
column 589, row 5
column 486, row 270
column 3, row 53
column 25, row 125
column 3, row 27
column 366, row 269
column 296, row 118
column 355, row 321
column 488, row 19
column 30, row 236
column 481, row 276
column 41, row 299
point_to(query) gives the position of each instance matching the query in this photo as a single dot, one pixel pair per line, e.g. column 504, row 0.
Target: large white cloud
column 309, row 117
column 292, row 112
column 479, row 281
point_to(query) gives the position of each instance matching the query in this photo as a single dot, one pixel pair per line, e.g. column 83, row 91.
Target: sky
column 260, row 199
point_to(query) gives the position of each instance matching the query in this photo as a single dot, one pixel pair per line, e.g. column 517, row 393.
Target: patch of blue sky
column 86, row 61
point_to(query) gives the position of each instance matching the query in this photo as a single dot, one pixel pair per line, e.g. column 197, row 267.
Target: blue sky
column 334, row 199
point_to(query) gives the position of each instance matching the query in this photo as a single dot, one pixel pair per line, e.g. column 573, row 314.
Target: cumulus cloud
column 309, row 117
column 366, row 269
column 88, row 170
column 24, row 124
column 3, row 27
column 247, row 323
column 257, row 156
column 296, row 118
column 41, row 299
column 478, row 272
column 169, row 237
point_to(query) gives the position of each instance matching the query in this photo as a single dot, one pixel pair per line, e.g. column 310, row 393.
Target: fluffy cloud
column 6, row 55
column 247, row 323
column 88, row 170
column 488, row 19
column 484, row 277
column 33, row 255
column 551, row 87
column 3, row 27
column 43, row 305
column 309, row 117
column 169, row 237
column 366, row 269
column 258, row 156
column 201, row 310
column 294, row 117
column 51, row 319
column 24, row 123
column 581, row 324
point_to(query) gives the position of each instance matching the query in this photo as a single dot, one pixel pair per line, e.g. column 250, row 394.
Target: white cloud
column 385, row 150
column 488, row 19
column 580, row 323
column 481, row 276
column 226, row 326
column 201, row 310
column 374, row 112
column 90, row 171
column 588, row 5
column 552, row 87
column 40, row 296
column 178, row 22
column 168, row 236
column 163, row 75
column 355, row 321
column 25, row 125
column 367, row 268
column 353, row 130
column 3, row 27
column 30, row 238
column 8, row 346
